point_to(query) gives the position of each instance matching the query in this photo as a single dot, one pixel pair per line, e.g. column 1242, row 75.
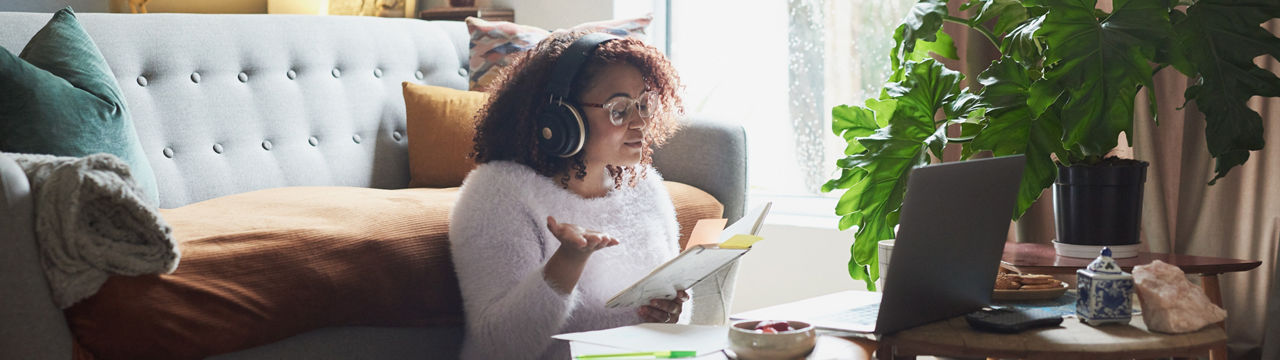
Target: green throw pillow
column 60, row 98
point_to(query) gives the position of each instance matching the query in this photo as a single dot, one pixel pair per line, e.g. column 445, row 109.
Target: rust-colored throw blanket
column 262, row 266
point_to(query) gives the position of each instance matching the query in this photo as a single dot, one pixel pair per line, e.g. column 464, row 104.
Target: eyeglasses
column 620, row 107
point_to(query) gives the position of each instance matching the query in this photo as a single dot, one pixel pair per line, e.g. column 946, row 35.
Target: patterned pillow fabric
column 493, row 42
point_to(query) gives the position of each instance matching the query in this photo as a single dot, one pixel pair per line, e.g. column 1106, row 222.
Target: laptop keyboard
column 865, row 314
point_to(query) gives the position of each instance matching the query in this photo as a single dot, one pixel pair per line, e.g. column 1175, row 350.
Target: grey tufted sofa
column 225, row 104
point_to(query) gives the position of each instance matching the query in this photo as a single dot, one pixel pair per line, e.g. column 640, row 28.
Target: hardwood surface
column 832, row 347
column 461, row 13
column 1071, row 340
column 1041, row 259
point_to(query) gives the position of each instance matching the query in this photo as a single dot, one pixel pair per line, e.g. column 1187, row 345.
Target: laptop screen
column 954, row 221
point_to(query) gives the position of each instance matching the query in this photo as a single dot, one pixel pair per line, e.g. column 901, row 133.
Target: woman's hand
column 564, row 268
column 574, row 237
column 664, row 311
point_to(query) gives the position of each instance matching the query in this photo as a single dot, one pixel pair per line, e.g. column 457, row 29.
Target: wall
column 164, row 6
column 49, row 6
column 196, row 6
column 793, row 263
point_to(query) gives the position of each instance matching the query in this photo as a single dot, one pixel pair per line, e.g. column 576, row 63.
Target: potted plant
column 1062, row 91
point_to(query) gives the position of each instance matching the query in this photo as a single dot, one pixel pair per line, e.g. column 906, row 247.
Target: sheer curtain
column 1239, row 217
column 778, row 67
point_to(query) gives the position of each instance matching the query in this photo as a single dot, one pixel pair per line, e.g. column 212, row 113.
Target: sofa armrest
column 31, row 326
column 710, row 155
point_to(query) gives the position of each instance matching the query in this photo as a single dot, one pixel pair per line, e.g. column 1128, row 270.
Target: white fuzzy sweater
column 500, row 243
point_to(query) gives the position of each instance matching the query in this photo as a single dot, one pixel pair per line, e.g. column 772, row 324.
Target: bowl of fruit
column 754, row 339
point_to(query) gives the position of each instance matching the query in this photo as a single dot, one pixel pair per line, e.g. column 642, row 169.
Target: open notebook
column 695, row 263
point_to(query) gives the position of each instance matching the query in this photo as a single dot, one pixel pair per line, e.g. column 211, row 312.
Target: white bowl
column 792, row 344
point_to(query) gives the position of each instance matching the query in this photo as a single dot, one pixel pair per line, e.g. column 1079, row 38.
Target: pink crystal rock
column 1171, row 303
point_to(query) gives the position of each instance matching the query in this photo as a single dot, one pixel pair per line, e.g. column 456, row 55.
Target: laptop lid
column 951, row 233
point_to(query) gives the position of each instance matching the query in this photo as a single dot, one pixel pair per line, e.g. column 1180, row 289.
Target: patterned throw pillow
column 493, row 42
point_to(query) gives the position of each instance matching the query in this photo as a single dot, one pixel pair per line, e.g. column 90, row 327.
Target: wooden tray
column 1037, row 294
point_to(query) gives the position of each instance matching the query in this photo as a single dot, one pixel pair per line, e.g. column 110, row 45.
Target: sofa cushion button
column 462, row 72
column 244, row 78
column 142, row 81
column 217, row 148
column 377, row 73
column 356, row 138
column 195, row 78
column 396, row 135
column 168, row 153
column 266, row 145
column 292, row 75
column 313, row 141
column 418, row 74
column 336, row 73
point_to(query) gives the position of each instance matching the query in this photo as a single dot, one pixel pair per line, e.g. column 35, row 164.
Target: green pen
column 655, row 354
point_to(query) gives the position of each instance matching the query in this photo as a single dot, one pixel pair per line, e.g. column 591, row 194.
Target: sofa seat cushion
column 262, row 266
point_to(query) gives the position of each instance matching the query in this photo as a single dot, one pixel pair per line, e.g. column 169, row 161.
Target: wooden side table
column 1071, row 340
column 1041, row 259
column 461, row 13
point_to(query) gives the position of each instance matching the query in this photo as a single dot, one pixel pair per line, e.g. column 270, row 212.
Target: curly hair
column 506, row 128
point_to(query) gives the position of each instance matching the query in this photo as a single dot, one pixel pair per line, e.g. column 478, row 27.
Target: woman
column 541, row 241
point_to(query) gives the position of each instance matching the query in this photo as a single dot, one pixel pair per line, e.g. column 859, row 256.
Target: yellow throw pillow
column 441, row 126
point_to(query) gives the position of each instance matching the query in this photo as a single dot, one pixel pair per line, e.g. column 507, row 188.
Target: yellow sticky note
column 706, row 231
column 740, row 241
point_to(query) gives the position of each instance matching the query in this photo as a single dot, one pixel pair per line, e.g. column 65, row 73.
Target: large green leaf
column 875, row 189
column 1007, row 13
column 1022, row 45
column 921, row 23
column 852, row 122
column 919, row 35
column 1013, row 128
column 1218, row 40
column 1100, row 62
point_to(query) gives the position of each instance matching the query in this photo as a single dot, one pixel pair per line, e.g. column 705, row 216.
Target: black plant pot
column 1100, row 204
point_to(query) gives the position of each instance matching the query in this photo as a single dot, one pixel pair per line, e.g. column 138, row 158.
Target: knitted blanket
column 91, row 222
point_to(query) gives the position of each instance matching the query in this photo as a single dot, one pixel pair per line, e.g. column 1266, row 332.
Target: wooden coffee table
column 1071, row 340
column 1041, row 259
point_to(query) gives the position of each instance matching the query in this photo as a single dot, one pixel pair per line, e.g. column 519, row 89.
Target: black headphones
column 561, row 128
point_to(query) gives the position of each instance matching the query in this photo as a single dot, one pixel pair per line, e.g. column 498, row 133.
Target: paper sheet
column 821, row 311
column 578, row 348
column 749, row 224
column 680, row 273
column 704, row 339
column 691, row 266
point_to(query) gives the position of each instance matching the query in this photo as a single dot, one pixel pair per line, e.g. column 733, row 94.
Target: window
column 777, row 67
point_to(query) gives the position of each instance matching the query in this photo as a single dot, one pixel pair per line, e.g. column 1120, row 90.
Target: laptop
column 952, row 229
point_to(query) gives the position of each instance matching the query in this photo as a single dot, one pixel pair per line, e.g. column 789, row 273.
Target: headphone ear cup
column 561, row 130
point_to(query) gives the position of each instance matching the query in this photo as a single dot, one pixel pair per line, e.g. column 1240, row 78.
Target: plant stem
column 981, row 30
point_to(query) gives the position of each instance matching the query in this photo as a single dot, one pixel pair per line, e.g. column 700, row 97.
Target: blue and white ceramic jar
column 1105, row 292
